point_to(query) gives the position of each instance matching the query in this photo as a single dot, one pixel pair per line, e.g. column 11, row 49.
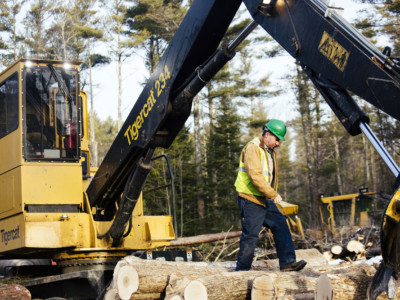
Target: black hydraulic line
column 171, row 174
column 131, row 194
column 129, row 228
column 242, row 36
column 209, row 69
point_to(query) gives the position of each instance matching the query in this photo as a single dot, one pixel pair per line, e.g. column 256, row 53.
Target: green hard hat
column 277, row 127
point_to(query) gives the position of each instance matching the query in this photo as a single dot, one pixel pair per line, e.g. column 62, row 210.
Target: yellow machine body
column 290, row 211
column 343, row 211
column 43, row 206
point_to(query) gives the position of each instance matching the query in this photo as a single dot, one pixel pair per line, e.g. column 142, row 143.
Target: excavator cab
column 51, row 113
column 40, row 154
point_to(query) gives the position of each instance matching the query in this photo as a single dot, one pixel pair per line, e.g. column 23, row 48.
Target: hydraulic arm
column 154, row 121
column 337, row 58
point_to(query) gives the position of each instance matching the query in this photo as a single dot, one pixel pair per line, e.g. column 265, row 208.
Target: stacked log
column 14, row 291
column 353, row 250
column 136, row 278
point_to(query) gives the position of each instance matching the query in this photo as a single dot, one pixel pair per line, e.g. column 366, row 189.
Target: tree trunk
column 303, row 95
column 119, row 119
column 366, row 164
column 338, row 164
column 92, row 137
column 198, row 161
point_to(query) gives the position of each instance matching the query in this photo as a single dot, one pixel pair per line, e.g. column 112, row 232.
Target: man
column 256, row 184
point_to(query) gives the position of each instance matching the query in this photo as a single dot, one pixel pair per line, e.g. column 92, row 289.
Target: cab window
column 51, row 113
column 9, row 105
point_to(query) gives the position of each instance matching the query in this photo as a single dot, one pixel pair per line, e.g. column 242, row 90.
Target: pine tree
column 154, row 22
column 35, row 25
column 9, row 10
column 63, row 37
column 120, row 46
column 224, row 159
column 89, row 33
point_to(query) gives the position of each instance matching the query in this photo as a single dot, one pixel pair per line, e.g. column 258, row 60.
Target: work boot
column 294, row 266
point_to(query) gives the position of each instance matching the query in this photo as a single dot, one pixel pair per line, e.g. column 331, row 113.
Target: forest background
column 318, row 156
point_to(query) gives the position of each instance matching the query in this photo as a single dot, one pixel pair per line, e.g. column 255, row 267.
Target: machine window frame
column 60, row 148
column 14, row 123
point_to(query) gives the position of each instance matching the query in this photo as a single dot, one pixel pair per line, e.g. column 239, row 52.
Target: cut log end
column 127, row 282
column 336, row 250
column 355, row 246
column 263, row 288
column 14, row 291
column 324, row 290
column 195, row 291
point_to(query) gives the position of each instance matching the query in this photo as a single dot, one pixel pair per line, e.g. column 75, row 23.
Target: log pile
column 352, row 251
column 136, row 278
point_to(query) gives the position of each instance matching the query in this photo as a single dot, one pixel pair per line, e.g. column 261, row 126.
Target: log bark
column 205, row 238
column 372, row 252
column 176, row 287
column 14, row 291
column 227, row 285
column 352, row 283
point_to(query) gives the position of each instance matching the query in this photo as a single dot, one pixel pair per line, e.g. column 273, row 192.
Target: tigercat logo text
column 9, row 235
column 132, row 132
column 332, row 50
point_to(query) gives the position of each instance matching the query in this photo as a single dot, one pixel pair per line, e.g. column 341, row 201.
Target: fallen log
column 372, row 252
column 352, row 282
column 238, row 285
column 226, row 285
column 347, row 283
column 205, row 238
column 14, row 291
column 153, row 276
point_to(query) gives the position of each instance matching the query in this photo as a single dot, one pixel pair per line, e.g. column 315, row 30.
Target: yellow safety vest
column 243, row 183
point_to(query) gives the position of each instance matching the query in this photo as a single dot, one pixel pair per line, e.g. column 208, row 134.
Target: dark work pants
column 253, row 216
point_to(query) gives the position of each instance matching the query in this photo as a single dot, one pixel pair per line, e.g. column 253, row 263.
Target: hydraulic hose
column 131, row 194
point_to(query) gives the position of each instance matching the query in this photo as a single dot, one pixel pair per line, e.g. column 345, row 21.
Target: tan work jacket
column 251, row 157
